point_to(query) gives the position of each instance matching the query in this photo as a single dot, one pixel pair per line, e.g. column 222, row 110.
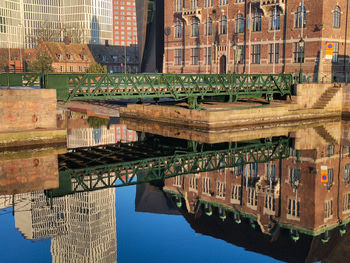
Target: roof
column 80, row 52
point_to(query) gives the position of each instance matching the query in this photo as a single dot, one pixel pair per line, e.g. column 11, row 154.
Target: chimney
column 106, row 43
column 66, row 40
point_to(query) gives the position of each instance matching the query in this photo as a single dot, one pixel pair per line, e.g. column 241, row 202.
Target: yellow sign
column 329, row 49
column 324, row 174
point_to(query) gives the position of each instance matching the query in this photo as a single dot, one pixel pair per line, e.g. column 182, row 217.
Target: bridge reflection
column 157, row 158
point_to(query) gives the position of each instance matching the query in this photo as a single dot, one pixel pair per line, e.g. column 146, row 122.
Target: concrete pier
column 312, row 101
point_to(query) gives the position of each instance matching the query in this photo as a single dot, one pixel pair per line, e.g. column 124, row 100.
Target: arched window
column 240, row 23
column 275, row 19
column 223, row 25
column 336, row 17
column 209, row 27
column 257, row 20
column 178, row 29
column 195, row 27
column 300, row 17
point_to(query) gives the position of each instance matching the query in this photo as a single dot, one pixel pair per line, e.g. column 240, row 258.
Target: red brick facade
column 303, row 203
column 185, row 50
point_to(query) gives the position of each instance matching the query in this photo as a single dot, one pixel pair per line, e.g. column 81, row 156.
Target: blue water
column 141, row 237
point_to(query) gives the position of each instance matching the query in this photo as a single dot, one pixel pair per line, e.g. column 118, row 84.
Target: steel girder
column 138, row 86
column 179, row 86
column 160, row 168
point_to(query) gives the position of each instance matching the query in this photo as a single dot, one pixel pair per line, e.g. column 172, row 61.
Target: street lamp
column 301, row 58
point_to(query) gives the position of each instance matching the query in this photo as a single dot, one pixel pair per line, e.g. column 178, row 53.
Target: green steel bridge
column 88, row 169
column 138, row 86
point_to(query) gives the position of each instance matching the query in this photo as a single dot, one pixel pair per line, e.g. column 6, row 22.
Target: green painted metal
column 21, row 80
column 159, row 168
column 138, row 86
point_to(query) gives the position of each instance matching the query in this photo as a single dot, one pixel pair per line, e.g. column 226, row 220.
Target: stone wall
column 27, row 109
column 309, row 94
column 27, row 172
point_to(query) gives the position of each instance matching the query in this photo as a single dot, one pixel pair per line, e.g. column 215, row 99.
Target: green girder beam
column 159, row 168
column 138, row 86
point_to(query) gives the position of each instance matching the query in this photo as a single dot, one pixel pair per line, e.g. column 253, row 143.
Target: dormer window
column 59, row 56
column 115, row 58
column 70, row 57
column 83, row 57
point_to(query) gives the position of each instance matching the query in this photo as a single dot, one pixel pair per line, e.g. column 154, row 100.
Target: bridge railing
column 177, row 86
column 160, row 168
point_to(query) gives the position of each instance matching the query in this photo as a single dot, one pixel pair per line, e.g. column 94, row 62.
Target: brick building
column 257, row 37
column 288, row 192
column 124, row 23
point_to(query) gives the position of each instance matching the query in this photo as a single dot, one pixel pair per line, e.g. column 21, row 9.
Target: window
column 194, row 56
column 271, row 171
column 335, row 58
column 293, row 208
column 257, row 21
column 178, row 30
column 178, row 57
column 239, row 24
column 253, row 170
column 236, row 193
column 270, row 203
column 209, row 27
column 298, row 53
column 252, row 197
column 206, row 185
column 71, row 68
column 194, row 3
column 241, row 50
column 195, row 27
column 336, row 17
column 221, row 190
column 223, row 2
column 208, row 3
column 275, row 19
column 223, row 25
column 346, row 202
column 294, row 177
column 256, row 54
column 328, row 209
column 330, row 179
column 208, row 56
column 193, row 183
column 177, row 5
column 346, row 173
column 274, row 53
column 300, row 17
column 330, row 150
column 178, row 180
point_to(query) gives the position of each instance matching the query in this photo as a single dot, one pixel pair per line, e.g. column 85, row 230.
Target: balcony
column 189, row 13
column 268, row 5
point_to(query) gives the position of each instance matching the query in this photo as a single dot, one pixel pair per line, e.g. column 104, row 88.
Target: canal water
column 264, row 194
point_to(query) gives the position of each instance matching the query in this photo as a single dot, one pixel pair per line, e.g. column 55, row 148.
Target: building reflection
column 280, row 208
column 82, row 226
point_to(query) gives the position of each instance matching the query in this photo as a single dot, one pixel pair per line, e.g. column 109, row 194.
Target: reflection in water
column 82, row 226
column 265, row 195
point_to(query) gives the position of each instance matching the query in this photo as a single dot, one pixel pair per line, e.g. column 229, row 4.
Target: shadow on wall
column 341, row 69
column 95, row 31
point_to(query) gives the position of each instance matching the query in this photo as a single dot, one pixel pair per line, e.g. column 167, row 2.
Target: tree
column 97, row 68
column 42, row 64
